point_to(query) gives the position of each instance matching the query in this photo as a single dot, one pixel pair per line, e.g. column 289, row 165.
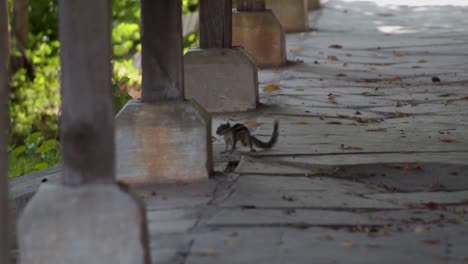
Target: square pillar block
column 164, row 142
column 221, row 80
column 93, row 223
column 313, row 4
column 262, row 35
column 293, row 14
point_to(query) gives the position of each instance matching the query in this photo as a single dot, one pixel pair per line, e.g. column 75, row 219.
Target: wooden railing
column 4, row 122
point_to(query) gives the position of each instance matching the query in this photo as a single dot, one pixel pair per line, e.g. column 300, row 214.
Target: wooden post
column 215, row 24
column 161, row 40
column 250, row 5
column 87, row 104
column 4, row 124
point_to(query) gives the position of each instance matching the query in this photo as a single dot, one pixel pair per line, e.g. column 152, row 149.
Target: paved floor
column 371, row 163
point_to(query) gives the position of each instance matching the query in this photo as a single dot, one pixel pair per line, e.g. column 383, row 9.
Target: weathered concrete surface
column 64, row 224
column 163, row 142
column 221, row 80
column 262, row 35
column 371, row 162
column 292, row 14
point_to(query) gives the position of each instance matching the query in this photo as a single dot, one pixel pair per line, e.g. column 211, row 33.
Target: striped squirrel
column 240, row 132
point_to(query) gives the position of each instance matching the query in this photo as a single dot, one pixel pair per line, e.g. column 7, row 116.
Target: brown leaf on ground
column 351, row 148
column 334, row 123
column 298, row 50
column 431, row 241
column 250, row 123
column 332, row 58
column 326, row 171
column 377, row 130
column 271, row 88
column 406, row 166
column 422, row 61
column 399, row 114
column 464, row 98
column 343, row 116
column 446, row 95
column 361, row 119
column 332, row 99
column 434, row 206
column 392, row 79
column 335, row 46
column 348, row 243
column 447, row 140
column 326, row 237
column 420, row 229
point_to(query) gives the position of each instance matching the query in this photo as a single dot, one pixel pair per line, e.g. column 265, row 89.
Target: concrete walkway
column 371, row 164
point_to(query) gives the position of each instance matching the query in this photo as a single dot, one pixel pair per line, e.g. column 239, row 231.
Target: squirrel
column 240, row 132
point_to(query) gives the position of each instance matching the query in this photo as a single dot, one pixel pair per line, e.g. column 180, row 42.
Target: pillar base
column 292, row 14
column 164, row 142
column 95, row 223
column 313, row 4
column 221, row 80
column 262, row 35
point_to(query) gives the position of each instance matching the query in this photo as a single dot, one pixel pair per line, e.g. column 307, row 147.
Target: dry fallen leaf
column 326, row 237
column 392, row 79
column 296, row 50
column 431, row 241
column 271, row 88
column 400, row 114
column 420, row 229
column 250, row 123
column 348, row 243
column 343, row 116
column 406, row 166
column 334, row 123
column 446, row 95
column 332, row 58
column 351, row 148
column 377, row 130
column 326, row 171
column 335, row 46
column 332, row 99
column 422, row 61
column 434, row 206
column 361, row 120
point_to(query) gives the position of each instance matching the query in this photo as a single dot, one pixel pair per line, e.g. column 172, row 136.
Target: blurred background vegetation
column 35, row 69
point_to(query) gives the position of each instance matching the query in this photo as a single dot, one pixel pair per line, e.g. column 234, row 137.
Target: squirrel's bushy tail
column 266, row 145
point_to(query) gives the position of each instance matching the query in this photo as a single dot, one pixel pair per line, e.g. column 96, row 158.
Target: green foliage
column 37, row 153
column 35, row 105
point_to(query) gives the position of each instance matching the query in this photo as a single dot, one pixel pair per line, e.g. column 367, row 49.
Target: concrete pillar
column 218, row 77
column 293, row 14
column 4, row 124
column 87, row 218
column 261, row 34
column 313, row 4
column 162, row 138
